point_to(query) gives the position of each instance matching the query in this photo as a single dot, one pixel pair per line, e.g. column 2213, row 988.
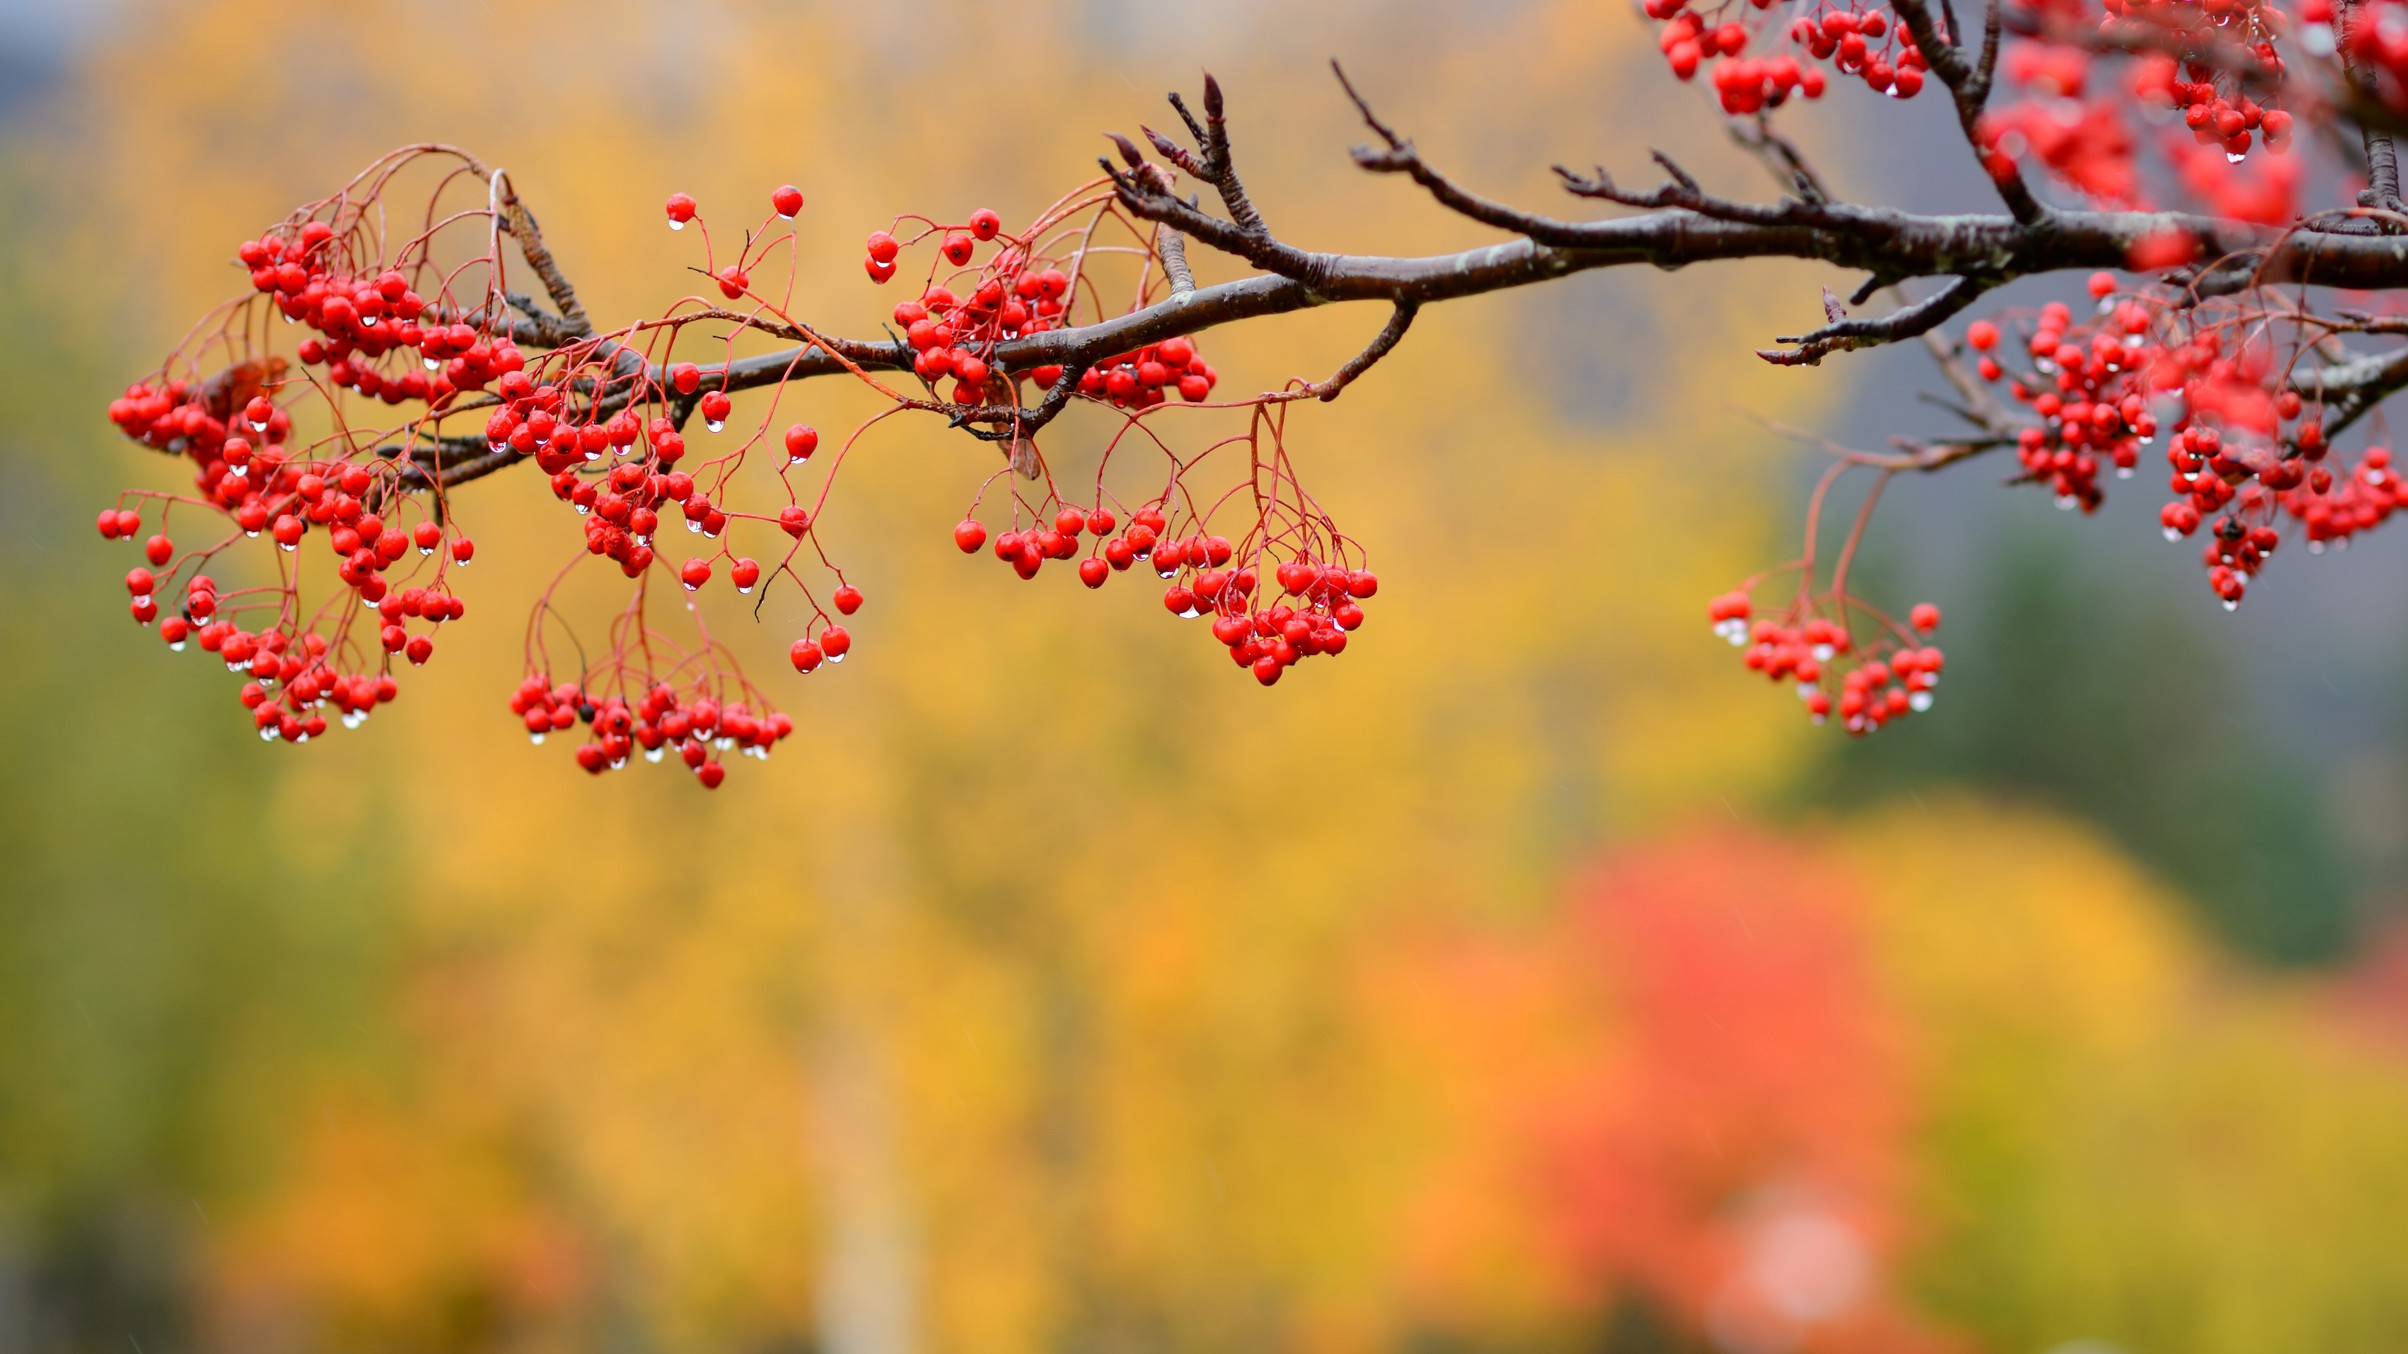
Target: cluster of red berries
column 1888, row 680
column 263, row 490
column 358, row 317
column 1865, row 43
column 1147, row 377
column 2084, row 391
column 1267, row 640
column 2231, row 121
column 956, row 337
column 694, row 725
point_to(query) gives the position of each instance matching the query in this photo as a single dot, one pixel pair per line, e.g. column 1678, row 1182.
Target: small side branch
column 1844, row 335
column 1399, row 320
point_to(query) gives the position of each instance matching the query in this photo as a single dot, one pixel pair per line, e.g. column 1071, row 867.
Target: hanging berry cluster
column 1884, row 680
column 1865, row 43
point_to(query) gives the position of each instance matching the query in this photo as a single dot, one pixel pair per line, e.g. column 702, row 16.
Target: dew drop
column 715, row 424
column 693, row 524
column 1823, row 652
column 2231, row 158
column 654, row 755
column 583, row 509
column 425, row 550
column 2173, row 535
column 177, row 647
column 434, row 364
column 744, row 592
column 2066, row 502
column 2123, row 472
column 835, row 658
column 536, row 739
column 675, row 224
column 2232, row 606
column 268, row 734
column 367, row 321
column 1919, row 701
column 251, row 535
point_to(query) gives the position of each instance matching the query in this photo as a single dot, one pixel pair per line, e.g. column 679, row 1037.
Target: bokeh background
column 1532, row 979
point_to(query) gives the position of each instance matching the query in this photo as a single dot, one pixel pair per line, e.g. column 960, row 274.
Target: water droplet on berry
column 367, row 321
column 2173, row 535
column 2123, row 472
column 536, row 739
column 1190, row 613
column 2230, row 605
column 654, row 755
column 2067, row 502
column 675, row 224
column 1919, row 701
column 268, row 734
column 715, row 424
column 583, row 509
column 2235, row 157
column 434, row 364
column 1823, row 652
column 835, row 658
column 694, row 524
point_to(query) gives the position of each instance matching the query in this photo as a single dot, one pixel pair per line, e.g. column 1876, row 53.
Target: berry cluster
column 300, row 661
column 1888, row 679
column 692, row 723
column 1321, row 599
column 2083, row 392
column 1865, row 43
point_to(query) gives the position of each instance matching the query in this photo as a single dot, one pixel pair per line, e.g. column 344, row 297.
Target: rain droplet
column 745, row 592
column 2173, row 535
column 715, row 424
column 654, row 754
column 693, row 524
column 675, row 224
column 2233, row 158
column 177, row 647
column 2230, row 605
column 536, row 739
column 434, row 364
column 835, row 658
column 1919, row 701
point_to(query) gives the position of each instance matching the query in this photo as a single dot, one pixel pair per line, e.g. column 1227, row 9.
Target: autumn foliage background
column 1534, row 979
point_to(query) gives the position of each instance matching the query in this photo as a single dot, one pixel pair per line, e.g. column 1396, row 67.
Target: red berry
column 801, row 440
column 984, row 224
column 835, row 641
column 1925, row 616
column 681, row 210
column 969, row 534
column 787, row 201
column 1093, row 571
column 695, row 573
column 848, row 599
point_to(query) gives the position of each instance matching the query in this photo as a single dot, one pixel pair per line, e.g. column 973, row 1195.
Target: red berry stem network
column 370, row 369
